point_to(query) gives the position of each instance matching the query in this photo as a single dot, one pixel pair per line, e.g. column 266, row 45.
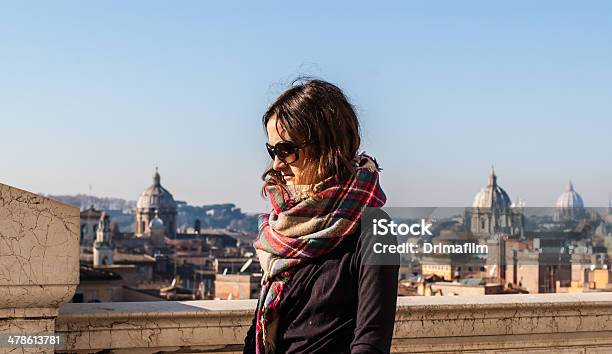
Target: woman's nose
column 278, row 164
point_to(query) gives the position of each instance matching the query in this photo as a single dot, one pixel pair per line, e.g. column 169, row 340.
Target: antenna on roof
column 492, row 271
column 90, row 197
column 246, row 265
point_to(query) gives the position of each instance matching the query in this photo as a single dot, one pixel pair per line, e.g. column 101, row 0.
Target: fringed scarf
column 300, row 229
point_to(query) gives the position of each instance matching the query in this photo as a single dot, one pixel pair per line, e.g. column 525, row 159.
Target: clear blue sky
column 100, row 92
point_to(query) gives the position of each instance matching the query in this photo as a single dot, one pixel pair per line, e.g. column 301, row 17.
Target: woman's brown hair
column 317, row 112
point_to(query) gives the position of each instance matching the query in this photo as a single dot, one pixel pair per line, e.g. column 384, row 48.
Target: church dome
column 492, row 195
column 156, row 223
column 570, row 199
column 156, row 197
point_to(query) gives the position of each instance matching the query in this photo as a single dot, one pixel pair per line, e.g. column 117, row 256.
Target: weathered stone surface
column 505, row 323
column 213, row 325
column 39, row 250
column 39, row 262
column 559, row 323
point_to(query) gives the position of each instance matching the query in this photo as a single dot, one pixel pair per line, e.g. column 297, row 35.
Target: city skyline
column 101, row 95
column 519, row 202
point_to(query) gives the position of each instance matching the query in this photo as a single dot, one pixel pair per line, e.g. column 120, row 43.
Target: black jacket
column 338, row 303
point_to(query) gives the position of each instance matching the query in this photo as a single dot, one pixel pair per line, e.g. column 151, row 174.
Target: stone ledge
column 509, row 323
column 503, row 300
column 39, row 263
column 39, row 250
column 207, row 325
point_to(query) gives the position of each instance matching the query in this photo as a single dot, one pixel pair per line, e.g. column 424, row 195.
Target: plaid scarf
column 297, row 230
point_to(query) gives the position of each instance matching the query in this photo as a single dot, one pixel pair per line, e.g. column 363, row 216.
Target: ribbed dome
column 156, row 197
column 570, row 199
column 492, row 195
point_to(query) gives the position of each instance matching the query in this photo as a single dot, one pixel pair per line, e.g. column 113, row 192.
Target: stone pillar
column 39, row 263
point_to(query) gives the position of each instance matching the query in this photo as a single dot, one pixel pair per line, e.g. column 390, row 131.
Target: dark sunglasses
column 286, row 151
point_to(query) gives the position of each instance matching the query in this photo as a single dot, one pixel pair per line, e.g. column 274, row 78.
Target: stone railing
column 39, row 263
column 39, row 271
column 580, row 323
column 569, row 323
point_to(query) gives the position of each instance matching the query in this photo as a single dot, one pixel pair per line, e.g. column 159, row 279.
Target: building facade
column 569, row 206
column 155, row 200
column 492, row 212
column 103, row 247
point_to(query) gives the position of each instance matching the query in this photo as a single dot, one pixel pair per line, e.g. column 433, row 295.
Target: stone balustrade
column 569, row 323
column 39, row 262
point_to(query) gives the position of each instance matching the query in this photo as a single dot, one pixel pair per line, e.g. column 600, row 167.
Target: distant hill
column 84, row 201
column 122, row 212
column 216, row 216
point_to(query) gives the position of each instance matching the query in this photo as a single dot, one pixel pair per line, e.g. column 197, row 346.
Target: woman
column 318, row 294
